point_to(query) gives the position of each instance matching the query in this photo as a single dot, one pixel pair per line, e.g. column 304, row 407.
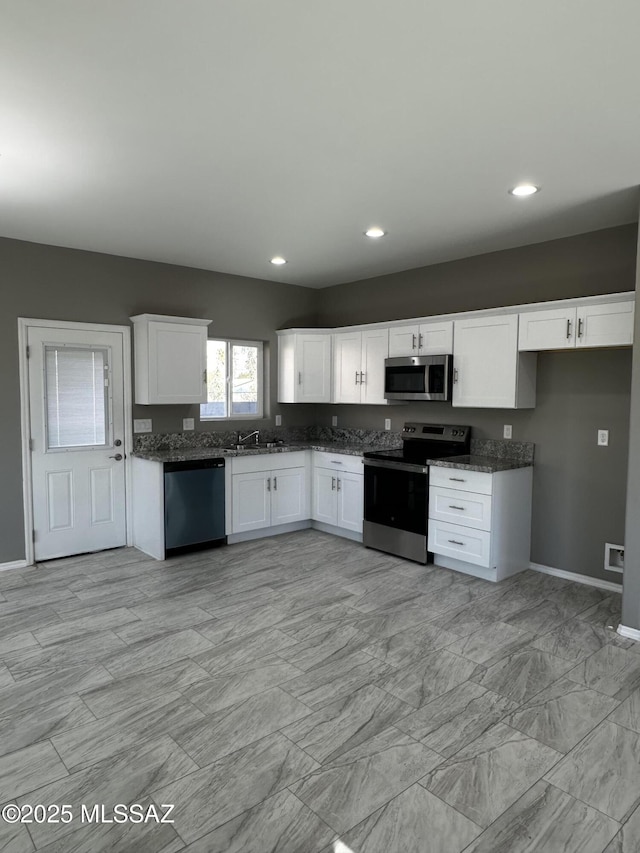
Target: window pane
column 76, row 397
column 244, row 380
column 216, row 405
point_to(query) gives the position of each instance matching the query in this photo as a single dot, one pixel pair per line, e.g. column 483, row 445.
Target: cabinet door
column 351, row 501
column 436, row 338
column 375, row 348
column 403, row 340
column 552, row 329
column 325, row 496
column 313, row 357
column 288, row 496
column 251, row 501
column 177, row 363
column 485, row 360
column 605, row 325
column 347, row 367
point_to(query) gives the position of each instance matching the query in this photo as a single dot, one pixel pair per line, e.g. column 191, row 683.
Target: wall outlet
column 387, row 423
column 507, row 431
column 142, row 425
column 334, row 420
column 188, row 423
column 278, row 420
column 603, row 437
column 613, row 558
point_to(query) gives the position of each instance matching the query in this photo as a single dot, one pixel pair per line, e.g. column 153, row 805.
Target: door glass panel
column 76, row 397
column 396, row 498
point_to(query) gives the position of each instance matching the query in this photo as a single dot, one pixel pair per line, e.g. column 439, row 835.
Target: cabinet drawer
column 457, row 507
column 457, row 478
column 337, row 461
column 462, row 543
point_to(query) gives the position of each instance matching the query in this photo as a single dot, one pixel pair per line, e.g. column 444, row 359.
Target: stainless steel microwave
column 418, row 377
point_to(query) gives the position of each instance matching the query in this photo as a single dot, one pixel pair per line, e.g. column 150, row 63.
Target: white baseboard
column 629, row 633
column 572, row 576
column 16, row 564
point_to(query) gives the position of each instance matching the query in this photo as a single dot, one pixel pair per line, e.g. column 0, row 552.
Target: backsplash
column 499, row 448
column 289, row 435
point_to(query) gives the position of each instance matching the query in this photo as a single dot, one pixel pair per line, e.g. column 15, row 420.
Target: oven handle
column 397, row 466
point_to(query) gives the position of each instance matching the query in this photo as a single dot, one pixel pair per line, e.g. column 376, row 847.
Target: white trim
column 629, row 633
column 24, row 323
column 572, row 576
column 265, row 532
column 16, row 564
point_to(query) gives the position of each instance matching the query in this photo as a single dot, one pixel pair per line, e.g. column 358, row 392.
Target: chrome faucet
column 243, row 438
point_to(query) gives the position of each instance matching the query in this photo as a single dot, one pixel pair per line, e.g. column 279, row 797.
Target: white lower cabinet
column 338, row 490
column 480, row 523
column 266, row 493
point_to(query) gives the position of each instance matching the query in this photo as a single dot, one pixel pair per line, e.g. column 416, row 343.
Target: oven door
column 396, row 495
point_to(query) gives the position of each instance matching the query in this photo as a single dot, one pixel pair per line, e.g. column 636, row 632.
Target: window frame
column 229, row 344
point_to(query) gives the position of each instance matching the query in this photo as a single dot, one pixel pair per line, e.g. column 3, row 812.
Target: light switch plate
column 603, row 437
column 188, row 423
column 507, row 431
column 334, row 420
column 387, row 423
column 142, row 425
column 278, row 420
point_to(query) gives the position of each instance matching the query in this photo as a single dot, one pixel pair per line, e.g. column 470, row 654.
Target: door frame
column 24, row 324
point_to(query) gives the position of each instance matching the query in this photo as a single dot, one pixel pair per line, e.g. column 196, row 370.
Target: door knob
column 117, row 442
column 117, row 457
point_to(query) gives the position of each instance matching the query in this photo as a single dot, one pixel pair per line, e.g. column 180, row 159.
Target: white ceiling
column 218, row 133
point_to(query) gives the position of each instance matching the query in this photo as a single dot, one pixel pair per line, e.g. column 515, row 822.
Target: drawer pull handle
column 451, row 506
column 455, row 542
column 336, row 462
column 457, row 480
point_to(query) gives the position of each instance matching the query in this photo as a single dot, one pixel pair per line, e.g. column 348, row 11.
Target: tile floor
column 303, row 694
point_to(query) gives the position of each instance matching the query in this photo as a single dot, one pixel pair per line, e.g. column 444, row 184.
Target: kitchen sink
column 263, row 445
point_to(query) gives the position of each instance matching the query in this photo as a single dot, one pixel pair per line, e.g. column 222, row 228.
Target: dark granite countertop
column 185, row 454
column 475, row 462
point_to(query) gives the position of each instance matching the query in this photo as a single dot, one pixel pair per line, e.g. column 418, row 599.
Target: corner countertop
column 475, row 462
column 188, row 454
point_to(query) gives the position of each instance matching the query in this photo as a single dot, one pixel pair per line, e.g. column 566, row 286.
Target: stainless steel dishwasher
column 193, row 505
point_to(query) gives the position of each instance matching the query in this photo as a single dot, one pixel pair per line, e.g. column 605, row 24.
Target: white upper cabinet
column 422, row 339
column 170, row 359
column 358, row 366
column 607, row 325
column 304, row 367
column 489, row 372
column 601, row 325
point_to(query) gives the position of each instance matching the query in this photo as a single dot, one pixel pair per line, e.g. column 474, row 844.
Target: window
column 234, row 380
column 77, row 403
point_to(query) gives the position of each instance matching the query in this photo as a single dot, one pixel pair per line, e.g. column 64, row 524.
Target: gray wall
column 631, row 591
column 586, row 265
column 579, row 488
column 65, row 284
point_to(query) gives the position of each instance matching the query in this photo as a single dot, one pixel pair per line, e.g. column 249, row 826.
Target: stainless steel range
column 396, row 488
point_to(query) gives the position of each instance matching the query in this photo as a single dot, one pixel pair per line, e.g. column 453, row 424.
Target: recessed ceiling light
column 524, row 189
column 375, row 232
column 278, row 261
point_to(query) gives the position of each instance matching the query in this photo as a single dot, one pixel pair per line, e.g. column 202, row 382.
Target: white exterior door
column 76, row 406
